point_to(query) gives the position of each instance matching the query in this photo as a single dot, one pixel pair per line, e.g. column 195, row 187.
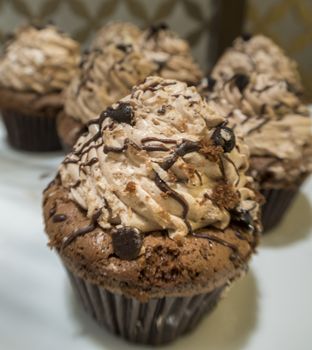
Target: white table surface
column 271, row 308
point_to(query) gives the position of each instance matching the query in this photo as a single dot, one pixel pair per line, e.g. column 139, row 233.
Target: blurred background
column 209, row 25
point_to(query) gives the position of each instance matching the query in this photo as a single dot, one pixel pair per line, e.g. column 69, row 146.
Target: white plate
column 269, row 309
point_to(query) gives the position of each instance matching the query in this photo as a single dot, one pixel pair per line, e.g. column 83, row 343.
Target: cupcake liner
column 155, row 322
column 277, row 201
column 31, row 132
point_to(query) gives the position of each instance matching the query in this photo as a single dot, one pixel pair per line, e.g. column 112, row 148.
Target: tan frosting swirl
column 119, row 171
column 39, row 60
column 257, row 54
column 116, row 33
column 171, row 53
column 105, row 77
column 273, row 122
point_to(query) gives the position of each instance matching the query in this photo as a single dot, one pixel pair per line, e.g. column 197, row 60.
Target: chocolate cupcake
column 171, row 53
column 105, row 77
column 116, row 33
column 36, row 65
column 258, row 53
column 152, row 213
column 277, row 128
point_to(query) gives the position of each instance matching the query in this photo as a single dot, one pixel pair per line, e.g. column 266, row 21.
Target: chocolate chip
column 155, row 29
column 246, row 36
column 224, row 137
column 127, row 242
column 211, row 82
column 59, row 217
column 124, row 47
column 123, row 113
column 241, row 81
column 243, row 218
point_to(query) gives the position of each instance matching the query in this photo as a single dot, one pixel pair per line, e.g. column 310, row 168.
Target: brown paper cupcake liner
column 155, row 322
column 31, row 132
column 277, row 201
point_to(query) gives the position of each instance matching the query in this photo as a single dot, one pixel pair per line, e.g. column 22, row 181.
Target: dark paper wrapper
column 31, row 133
column 277, row 201
column 155, row 322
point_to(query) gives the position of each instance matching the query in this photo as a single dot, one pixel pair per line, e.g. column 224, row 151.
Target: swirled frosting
column 116, row 33
column 257, row 54
column 160, row 159
column 105, row 77
column 272, row 119
column 171, row 53
column 40, row 60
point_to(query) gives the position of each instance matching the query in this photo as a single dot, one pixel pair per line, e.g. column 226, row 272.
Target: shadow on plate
column 295, row 225
column 227, row 328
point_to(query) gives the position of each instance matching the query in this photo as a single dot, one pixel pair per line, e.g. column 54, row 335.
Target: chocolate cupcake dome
column 277, row 128
column 36, row 65
column 158, row 215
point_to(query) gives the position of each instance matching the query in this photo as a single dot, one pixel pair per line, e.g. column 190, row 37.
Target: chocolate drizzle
column 125, row 146
column 163, row 186
column 181, row 150
column 218, row 240
column 82, row 231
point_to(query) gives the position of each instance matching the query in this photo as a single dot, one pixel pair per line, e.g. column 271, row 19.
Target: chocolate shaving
column 224, row 137
column 241, row 81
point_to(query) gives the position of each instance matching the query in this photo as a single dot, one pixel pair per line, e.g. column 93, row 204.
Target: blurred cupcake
column 277, row 128
column 152, row 213
column 116, row 33
column 36, row 65
column 105, row 76
column 258, row 54
column 171, row 53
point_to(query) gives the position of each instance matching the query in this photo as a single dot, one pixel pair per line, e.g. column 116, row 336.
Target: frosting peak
column 160, row 159
column 40, row 60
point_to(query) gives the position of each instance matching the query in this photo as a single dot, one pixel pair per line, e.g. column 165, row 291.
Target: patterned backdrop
column 289, row 22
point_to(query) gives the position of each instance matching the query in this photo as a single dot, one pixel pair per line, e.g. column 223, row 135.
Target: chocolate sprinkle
column 127, row 242
column 224, row 137
column 246, row 36
column 241, row 81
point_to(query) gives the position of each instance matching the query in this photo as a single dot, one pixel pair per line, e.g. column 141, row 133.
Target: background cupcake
column 36, row 65
column 152, row 213
column 259, row 54
column 122, row 56
column 277, row 128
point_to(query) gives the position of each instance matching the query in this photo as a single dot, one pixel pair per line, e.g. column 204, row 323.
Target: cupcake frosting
column 40, row 60
column 257, row 54
column 105, row 77
column 273, row 121
column 161, row 159
column 171, row 53
column 116, row 33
